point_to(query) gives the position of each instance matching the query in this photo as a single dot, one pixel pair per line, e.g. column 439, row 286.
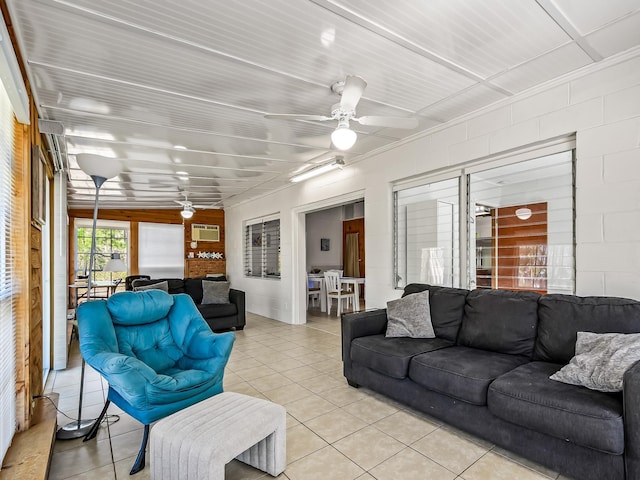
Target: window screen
column 262, row 249
column 427, row 234
column 521, row 234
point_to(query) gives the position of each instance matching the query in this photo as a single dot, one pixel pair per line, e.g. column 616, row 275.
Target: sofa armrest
column 630, row 395
column 237, row 298
column 360, row 324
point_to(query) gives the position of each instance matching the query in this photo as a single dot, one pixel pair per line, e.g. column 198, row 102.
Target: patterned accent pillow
column 164, row 286
column 215, row 292
column 410, row 316
column 601, row 360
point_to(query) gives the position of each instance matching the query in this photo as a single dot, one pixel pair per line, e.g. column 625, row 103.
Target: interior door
column 520, row 236
column 354, row 226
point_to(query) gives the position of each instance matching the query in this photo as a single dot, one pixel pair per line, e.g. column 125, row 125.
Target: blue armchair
column 157, row 353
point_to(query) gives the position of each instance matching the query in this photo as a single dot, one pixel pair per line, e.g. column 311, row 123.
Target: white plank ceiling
column 177, row 91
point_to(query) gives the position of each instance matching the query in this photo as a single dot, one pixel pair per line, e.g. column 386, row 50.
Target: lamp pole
column 99, row 171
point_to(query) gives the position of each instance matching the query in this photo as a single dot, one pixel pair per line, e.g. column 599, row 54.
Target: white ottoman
column 196, row 443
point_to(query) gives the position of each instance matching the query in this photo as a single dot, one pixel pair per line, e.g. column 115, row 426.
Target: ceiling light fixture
column 314, row 172
column 187, row 212
column 523, row 213
column 179, row 147
column 343, row 137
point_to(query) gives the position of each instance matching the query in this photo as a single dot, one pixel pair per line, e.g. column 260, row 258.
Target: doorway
column 319, row 243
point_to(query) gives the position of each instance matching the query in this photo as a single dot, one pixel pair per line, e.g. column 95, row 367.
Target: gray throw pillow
column 410, row 317
column 601, row 360
column 164, row 286
column 215, row 292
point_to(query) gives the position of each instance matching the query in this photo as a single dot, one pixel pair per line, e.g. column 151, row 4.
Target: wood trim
column 133, row 252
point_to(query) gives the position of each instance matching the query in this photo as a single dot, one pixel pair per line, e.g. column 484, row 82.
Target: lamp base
column 75, row 429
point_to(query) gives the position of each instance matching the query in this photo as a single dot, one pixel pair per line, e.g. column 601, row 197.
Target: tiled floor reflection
column 334, row 431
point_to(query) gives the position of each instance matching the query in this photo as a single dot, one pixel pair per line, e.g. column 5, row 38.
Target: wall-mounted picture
column 38, row 186
column 325, row 244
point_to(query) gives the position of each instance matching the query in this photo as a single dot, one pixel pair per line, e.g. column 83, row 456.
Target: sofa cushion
column 193, row 286
column 215, row 292
column 391, row 356
column 164, row 286
column 410, row 316
column 601, row 360
column 561, row 317
column 176, row 285
column 213, row 310
column 527, row 397
column 446, row 305
column 500, row 321
column 462, row 372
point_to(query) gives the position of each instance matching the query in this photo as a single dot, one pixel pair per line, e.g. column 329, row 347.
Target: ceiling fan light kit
column 314, row 172
column 187, row 212
column 343, row 138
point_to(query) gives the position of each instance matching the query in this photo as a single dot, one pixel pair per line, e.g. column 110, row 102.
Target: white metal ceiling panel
column 465, row 102
column 484, row 37
column 589, row 15
column 617, row 37
column 546, row 67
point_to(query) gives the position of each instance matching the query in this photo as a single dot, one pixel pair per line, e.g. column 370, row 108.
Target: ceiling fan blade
column 393, row 122
column 293, row 116
column 351, row 93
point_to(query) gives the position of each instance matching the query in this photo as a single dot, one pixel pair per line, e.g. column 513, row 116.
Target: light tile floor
column 334, row 431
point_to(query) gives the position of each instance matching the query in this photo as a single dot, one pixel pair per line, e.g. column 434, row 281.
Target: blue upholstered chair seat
column 155, row 350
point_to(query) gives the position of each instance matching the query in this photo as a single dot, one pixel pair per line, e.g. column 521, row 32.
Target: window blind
column 262, row 249
column 161, row 250
column 8, row 280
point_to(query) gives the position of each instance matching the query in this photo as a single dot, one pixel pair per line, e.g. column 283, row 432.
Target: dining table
column 79, row 290
column 353, row 282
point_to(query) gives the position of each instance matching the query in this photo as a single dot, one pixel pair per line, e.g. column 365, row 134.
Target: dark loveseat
column 221, row 316
column 487, row 372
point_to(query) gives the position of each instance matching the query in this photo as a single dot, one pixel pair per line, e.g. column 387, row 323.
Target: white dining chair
column 334, row 290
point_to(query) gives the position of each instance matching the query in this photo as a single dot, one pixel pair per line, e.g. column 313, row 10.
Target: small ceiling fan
column 189, row 208
column 351, row 90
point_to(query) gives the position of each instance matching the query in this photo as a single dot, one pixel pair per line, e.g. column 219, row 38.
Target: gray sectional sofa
column 487, row 372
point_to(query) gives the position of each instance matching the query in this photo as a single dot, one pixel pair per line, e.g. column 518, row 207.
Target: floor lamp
column 100, row 169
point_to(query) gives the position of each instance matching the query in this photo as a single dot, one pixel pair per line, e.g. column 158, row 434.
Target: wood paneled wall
column 193, row 266
column 27, row 247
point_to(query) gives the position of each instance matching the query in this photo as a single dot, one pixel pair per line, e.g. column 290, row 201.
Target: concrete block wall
column 600, row 105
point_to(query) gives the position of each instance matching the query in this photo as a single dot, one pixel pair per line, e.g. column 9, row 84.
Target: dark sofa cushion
column 193, row 286
column 391, row 356
column 446, row 305
column 500, row 321
column 176, row 285
column 527, row 397
column 561, row 317
column 462, row 372
column 213, row 310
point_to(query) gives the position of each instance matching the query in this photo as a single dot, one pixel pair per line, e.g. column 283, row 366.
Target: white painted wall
column 601, row 105
column 324, row 224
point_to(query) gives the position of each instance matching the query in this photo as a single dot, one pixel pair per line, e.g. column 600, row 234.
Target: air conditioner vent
column 205, row 233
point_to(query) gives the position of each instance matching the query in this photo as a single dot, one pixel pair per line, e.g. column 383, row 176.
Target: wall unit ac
column 205, row 233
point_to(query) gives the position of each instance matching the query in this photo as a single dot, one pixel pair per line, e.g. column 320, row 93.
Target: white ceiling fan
column 351, row 90
column 189, row 208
